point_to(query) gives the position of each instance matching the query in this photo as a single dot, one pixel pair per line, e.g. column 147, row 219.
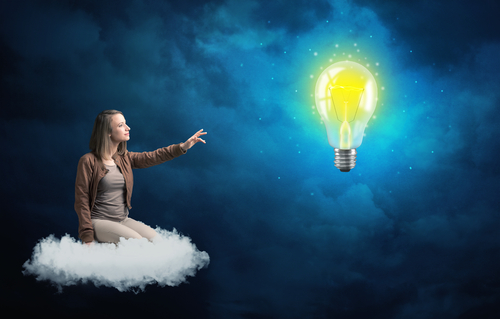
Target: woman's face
column 120, row 131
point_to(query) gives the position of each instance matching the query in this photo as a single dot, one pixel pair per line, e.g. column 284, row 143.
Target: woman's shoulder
column 88, row 158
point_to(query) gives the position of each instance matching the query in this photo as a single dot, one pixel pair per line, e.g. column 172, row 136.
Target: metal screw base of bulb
column 345, row 160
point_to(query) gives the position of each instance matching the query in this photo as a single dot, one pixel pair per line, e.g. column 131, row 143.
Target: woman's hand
column 193, row 140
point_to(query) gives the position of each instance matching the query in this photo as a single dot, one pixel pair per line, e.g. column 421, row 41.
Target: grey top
column 110, row 202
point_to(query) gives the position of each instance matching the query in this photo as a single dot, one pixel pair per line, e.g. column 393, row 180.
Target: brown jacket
column 91, row 170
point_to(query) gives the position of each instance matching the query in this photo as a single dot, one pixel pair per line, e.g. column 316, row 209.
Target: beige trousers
column 106, row 231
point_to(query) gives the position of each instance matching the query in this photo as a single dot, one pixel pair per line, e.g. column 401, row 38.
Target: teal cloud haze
column 410, row 232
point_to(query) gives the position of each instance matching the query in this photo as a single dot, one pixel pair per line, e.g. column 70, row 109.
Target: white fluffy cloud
column 130, row 265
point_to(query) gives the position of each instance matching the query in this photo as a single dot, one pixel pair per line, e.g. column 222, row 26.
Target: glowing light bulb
column 346, row 97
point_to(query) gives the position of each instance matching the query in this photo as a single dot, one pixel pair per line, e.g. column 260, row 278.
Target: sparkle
column 311, row 76
column 336, row 45
column 331, row 60
column 355, row 44
column 383, row 88
column 315, row 53
column 350, row 56
column 415, row 81
column 374, row 116
column 376, row 64
column 357, row 50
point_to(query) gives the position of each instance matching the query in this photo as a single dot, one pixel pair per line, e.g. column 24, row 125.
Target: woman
column 104, row 180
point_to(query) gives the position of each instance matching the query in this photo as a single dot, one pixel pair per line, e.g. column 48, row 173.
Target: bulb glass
column 346, row 97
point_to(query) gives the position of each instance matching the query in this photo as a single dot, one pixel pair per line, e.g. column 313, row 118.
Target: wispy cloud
column 130, row 265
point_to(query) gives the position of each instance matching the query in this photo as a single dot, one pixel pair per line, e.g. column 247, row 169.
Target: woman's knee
column 141, row 228
column 109, row 231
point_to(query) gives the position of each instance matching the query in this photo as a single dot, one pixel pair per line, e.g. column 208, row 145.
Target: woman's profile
column 104, row 180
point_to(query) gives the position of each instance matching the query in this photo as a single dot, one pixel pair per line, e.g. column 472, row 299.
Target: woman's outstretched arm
column 161, row 155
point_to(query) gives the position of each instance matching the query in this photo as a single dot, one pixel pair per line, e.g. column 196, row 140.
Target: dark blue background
column 410, row 232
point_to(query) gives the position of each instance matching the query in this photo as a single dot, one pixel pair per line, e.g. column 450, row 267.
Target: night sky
column 411, row 232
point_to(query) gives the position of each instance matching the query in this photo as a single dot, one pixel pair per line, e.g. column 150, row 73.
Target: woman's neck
column 109, row 157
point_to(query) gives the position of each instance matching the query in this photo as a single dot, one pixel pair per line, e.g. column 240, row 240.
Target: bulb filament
column 351, row 97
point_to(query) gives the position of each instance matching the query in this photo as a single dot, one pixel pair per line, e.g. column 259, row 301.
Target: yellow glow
column 345, row 100
column 346, row 96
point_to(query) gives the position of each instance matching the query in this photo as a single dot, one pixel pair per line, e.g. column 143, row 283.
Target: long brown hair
column 100, row 141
